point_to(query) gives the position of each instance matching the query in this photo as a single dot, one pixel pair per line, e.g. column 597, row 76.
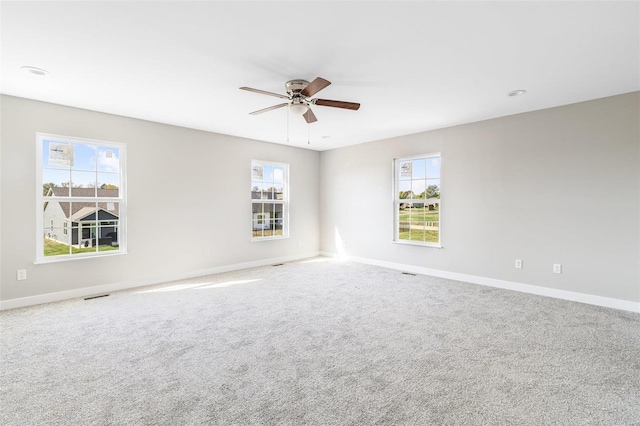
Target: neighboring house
column 420, row 203
column 75, row 222
column 262, row 221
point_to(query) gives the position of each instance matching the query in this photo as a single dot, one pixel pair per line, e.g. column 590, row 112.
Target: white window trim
column 40, row 199
column 285, row 202
column 394, row 201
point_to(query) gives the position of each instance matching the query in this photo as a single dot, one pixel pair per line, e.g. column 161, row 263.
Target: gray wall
column 560, row 185
column 188, row 200
column 554, row 186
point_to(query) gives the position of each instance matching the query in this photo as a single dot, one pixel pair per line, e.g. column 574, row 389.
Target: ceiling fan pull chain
column 308, row 131
column 287, row 124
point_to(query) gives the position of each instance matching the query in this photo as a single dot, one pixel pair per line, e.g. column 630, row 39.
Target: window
column 81, row 197
column 269, row 200
column 417, row 200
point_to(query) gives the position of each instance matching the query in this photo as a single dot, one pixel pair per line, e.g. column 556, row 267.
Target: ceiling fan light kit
column 298, row 108
column 299, row 93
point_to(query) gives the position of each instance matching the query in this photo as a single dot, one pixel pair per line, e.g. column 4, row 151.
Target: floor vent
column 408, row 273
column 95, row 297
column 278, row 264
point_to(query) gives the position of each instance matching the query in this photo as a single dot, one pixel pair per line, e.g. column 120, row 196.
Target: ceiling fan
column 299, row 100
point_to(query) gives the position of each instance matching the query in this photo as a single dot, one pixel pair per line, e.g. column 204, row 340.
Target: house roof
column 86, row 211
column 61, row 191
column 72, row 208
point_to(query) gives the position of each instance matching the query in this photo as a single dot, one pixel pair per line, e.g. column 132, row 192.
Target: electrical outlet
column 21, row 274
column 557, row 268
column 518, row 263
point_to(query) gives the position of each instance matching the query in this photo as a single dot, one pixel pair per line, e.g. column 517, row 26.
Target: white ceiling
column 414, row 66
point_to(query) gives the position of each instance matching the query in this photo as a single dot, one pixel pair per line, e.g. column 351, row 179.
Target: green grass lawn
column 428, row 236
column 423, row 214
column 267, row 233
column 53, row 248
column 417, row 217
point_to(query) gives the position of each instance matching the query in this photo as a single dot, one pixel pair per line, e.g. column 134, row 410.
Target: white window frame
column 284, row 202
column 396, row 202
column 121, row 199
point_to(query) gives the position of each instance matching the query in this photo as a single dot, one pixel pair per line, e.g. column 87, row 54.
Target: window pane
column 257, row 172
column 83, row 184
column 269, row 209
column 267, row 191
column 433, row 188
column 432, row 224
column 417, row 188
column 278, row 175
column 55, row 183
column 108, row 236
column 108, row 184
column 84, row 157
column 278, row 212
column 433, row 167
column 256, row 190
column 404, row 170
column 109, row 211
column 52, row 246
column 417, row 214
column 57, row 155
column 258, row 220
column 404, row 189
column 85, row 243
column 108, row 159
column 84, row 235
column 417, row 231
column 431, row 235
column 419, row 171
column 403, row 221
column 278, row 192
column 268, row 174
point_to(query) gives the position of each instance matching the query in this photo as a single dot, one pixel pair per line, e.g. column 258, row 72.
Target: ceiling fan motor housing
column 294, row 87
column 298, row 104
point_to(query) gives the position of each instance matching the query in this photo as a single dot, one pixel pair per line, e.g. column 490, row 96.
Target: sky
column 83, row 164
column 416, row 175
column 272, row 176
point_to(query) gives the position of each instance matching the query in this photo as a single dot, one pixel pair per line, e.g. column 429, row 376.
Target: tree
column 108, row 186
column 71, row 184
column 432, row 191
column 47, row 186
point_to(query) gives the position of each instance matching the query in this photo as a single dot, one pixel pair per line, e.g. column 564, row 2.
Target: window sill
column 57, row 259
column 257, row 240
column 417, row 243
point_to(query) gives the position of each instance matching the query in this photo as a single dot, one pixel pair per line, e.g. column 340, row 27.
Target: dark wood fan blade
column 310, row 116
column 337, row 104
column 271, row 108
column 314, row 87
column 264, row 92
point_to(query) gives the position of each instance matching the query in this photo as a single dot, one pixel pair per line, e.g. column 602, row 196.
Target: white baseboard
column 624, row 305
column 107, row 288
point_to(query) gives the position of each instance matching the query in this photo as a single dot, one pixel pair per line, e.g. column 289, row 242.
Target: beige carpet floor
column 319, row 342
